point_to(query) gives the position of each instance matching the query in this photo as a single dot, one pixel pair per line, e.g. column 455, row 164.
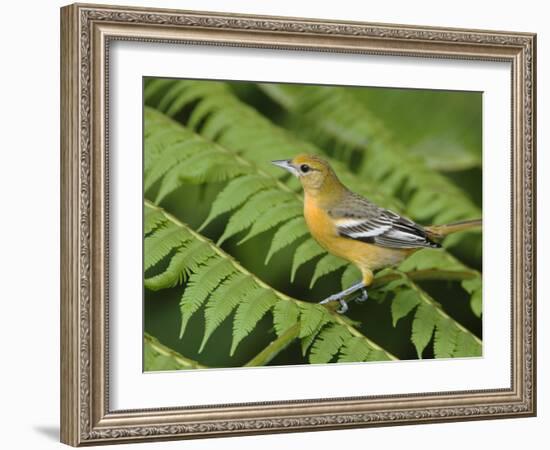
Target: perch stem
column 275, row 347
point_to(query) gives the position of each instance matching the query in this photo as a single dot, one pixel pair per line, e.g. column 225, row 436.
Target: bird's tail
column 440, row 231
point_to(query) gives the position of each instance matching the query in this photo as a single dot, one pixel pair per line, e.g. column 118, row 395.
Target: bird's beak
column 287, row 165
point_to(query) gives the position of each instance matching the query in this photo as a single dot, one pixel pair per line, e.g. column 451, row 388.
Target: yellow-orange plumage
column 366, row 257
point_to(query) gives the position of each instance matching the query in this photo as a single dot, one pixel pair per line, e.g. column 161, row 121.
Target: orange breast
column 367, row 257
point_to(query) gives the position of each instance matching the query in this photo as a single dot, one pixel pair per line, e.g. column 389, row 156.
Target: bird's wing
column 359, row 219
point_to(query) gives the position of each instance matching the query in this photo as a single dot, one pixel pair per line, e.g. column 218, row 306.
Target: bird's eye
column 304, row 168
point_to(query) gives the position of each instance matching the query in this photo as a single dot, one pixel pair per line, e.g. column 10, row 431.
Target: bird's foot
column 340, row 296
column 336, row 298
column 363, row 296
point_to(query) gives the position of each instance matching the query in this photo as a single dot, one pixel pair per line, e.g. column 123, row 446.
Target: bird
column 352, row 227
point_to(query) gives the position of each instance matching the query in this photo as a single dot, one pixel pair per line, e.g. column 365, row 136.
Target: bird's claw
column 343, row 307
column 347, row 293
column 334, row 298
column 363, row 296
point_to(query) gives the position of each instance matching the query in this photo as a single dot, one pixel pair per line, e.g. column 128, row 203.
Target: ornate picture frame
column 86, row 34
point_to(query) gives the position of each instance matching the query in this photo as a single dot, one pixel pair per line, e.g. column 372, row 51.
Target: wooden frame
column 86, row 32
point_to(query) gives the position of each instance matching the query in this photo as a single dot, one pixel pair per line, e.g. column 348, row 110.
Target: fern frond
column 160, row 244
column 285, row 315
column 152, row 220
column 403, row 303
column 422, row 327
column 249, row 312
column 282, row 212
column 224, row 299
column 443, row 128
column 327, row 264
column 430, row 259
column 218, row 282
column 286, row 234
column 186, row 260
column 327, row 344
column 445, row 338
column 353, row 350
column 474, row 288
column 466, row 346
column 235, row 193
column 429, row 316
column 210, row 165
column 254, row 208
column 175, row 155
column 311, row 318
column 248, row 142
column 308, row 339
column 246, row 132
column 201, row 284
column 306, row 251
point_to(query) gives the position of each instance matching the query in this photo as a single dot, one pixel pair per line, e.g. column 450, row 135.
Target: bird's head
column 314, row 173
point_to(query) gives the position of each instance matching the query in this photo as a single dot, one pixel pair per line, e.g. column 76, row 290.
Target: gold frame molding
column 86, row 31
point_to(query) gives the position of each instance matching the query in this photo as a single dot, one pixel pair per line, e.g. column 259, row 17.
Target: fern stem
column 166, row 351
column 275, row 347
column 429, row 300
column 336, row 317
column 428, row 274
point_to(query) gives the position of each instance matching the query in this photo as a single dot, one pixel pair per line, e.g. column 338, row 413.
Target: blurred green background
column 435, row 136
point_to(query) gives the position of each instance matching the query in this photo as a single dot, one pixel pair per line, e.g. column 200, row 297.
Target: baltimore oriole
column 353, row 228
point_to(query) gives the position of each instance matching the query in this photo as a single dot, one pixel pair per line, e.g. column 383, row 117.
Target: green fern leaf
column 422, row 328
column 201, row 284
column 171, row 276
column 327, row 264
column 445, row 338
column 287, row 233
column 224, row 300
column 351, row 275
column 378, row 355
column 273, row 217
column 467, row 346
column 473, row 287
column 311, row 317
column 476, row 303
column 254, row 208
column 152, row 220
column 310, row 338
column 249, row 312
column 160, row 135
column 172, row 156
column 161, row 243
column 354, row 349
column 185, row 261
column 218, row 281
column 327, row 344
column 213, row 165
column 305, row 252
column 242, row 129
column 153, row 86
column 235, row 194
column 285, row 315
column 404, row 302
column 181, row 100
column 430, row 259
